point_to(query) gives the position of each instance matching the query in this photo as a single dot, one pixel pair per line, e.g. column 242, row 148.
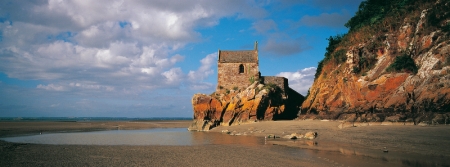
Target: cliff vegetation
column 392, row 65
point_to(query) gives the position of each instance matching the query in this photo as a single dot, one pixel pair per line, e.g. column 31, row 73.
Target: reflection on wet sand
column 331, row 153
column 356, row 156
column 335, row 154
column 292, row 142
column 223, row 139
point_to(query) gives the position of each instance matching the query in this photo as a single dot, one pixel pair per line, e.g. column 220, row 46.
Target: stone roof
column 239, row 56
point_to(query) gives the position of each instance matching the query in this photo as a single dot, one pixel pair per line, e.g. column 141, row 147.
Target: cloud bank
column 300, row 80
column 109, row 45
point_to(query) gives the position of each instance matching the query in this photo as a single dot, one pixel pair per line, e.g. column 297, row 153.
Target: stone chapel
column 237, row 68
column 240, row 68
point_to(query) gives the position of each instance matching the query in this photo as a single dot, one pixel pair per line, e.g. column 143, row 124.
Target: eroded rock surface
column 376, row 95
column 257, row 102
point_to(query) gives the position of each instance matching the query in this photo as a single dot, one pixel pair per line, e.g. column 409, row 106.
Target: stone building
column 240, row 68
column 237, row 68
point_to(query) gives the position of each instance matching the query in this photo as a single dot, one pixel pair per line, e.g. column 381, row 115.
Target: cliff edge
column 393, row 65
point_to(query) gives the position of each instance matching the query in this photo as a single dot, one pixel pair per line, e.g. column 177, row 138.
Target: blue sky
column 116, row 58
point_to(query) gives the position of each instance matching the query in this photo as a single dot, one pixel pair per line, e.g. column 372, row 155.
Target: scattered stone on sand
column 294, row 136
column 310, row 135
column 272, row 136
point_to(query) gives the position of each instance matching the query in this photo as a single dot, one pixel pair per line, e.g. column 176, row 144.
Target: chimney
column 256, row 45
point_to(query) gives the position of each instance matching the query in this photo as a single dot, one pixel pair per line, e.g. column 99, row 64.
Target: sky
column 147, row 58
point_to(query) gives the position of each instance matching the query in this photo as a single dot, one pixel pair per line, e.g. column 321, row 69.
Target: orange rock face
column 252, row 104
column 375, row 95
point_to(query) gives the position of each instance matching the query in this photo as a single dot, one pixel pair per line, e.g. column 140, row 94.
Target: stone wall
column 281, row 82
column 229, row 76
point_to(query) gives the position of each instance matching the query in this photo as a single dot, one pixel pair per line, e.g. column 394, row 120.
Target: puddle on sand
column 157, row 136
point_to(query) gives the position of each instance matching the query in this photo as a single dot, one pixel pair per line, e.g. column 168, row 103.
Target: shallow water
column 346, row 156
column 157, row 136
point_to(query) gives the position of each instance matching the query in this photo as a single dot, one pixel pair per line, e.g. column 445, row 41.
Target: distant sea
column 83, row 119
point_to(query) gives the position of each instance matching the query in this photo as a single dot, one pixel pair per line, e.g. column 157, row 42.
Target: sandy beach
column 426, row 140
column 353, row 146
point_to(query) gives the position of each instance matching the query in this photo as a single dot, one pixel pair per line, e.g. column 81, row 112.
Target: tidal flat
column 353, row 146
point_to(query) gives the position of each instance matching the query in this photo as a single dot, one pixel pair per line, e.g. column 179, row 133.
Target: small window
column 241, row 69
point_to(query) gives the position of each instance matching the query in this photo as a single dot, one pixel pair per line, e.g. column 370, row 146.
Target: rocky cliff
column 255, row 103
column 392, row 66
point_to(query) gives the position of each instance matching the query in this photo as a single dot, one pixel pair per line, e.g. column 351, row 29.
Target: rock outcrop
column 357, row 91
column 257, row 102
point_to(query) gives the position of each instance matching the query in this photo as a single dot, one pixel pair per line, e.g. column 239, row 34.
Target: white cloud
column 75, row 86
column 300, row 80
column 54, row 105
column 116, row 44
column 91, row 86
column 51, row 87
column 115, row 48
column 205, row 68
column 173, row 76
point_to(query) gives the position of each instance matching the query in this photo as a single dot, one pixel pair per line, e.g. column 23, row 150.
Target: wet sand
column 356, row 146
column 408, row 145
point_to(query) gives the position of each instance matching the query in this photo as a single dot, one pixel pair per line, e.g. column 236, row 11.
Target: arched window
column 241, row 69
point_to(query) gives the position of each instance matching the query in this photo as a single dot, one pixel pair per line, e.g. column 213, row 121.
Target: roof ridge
column 238, row 56
column 235, row 50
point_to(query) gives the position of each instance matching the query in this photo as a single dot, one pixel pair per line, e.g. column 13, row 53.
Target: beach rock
column 365, row 91
column 293, row 136
column 288, row 137
column 199, row 125
column 272, row 136
column 255, row 103
column 310, row 135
